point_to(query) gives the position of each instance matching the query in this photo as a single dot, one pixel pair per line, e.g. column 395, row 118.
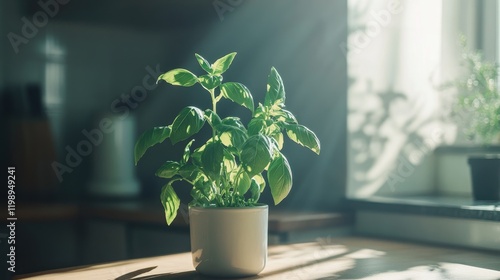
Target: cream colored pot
column 229, row 242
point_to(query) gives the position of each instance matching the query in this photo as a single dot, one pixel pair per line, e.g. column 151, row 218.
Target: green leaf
column 260, row 181
column 231, row 136
column 229, row 162
column 283, row 115
column 202, row 191
column 170, row 201
column 274, row 130
column 278, row 137
column 303, row 136
column 189, row 121
column 212, row 158
column 210, row 82
column 150, row 138
column 254, row 191
column 242, row 182
column 187, row 152
column 204, row 63
column 257, row 187
column 275, row 89
column 168, row 169
column 260, row 112
column 256, row 126
column 222, row 64
column 189, row 172
column 279, row 177
column 238, row 93
column 275, row 148
column 179, row 77
column 234, row 121
column 196, row 154
column 256, row 154
column 212, row 118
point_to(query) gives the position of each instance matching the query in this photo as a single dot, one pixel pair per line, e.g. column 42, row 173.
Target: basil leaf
column 212, row 159
column 179, row 77
column 275, row 94
column 231, row 136
column 242, row 182
column 212, row 118
column 279, row 176
column 189, row 121
column 187, row 152
column 150, row 138
column 256, row 154
column 238, row 93
column 222, row 64
column 189, row 172
column 303, row 136
column 170, row 201
column 203, row 63
column 210, row 82
column 168, row 169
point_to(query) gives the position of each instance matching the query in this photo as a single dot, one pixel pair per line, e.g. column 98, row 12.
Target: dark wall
column 106, row 51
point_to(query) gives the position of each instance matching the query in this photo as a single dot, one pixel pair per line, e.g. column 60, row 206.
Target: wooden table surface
column 328, row 258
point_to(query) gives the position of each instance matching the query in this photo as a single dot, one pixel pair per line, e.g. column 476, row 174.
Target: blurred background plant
column 476, row 110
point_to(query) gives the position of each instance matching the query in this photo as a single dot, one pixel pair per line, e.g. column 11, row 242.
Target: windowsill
column 472, row 149
column 455, row 207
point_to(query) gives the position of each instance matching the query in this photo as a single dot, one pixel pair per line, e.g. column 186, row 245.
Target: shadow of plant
column 135, row 273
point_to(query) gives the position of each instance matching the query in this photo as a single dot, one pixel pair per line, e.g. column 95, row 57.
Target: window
column 399, row 53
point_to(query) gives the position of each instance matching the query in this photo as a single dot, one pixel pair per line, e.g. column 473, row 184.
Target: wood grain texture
column 328, row 258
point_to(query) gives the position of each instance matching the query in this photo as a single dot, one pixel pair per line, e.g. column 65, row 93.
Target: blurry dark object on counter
column 30, row 145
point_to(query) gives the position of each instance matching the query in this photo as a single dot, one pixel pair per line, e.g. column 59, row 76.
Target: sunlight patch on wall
column 54, row 72
column 393, row 122
column 54, row 85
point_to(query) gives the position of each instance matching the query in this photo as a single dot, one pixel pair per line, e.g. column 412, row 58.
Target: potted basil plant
column 228, row 225
column 477, row 109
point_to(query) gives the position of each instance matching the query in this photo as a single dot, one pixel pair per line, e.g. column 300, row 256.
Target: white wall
column 453, row 176
column 490, row 40
column 393, row 106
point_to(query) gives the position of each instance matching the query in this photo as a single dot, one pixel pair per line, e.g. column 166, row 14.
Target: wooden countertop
column 329, row 258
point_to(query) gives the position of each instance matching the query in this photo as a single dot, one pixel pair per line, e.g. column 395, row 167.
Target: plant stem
column 214, row 101
column 214, row 109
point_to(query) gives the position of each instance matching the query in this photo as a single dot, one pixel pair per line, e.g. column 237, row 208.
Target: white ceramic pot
column 229, row 242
